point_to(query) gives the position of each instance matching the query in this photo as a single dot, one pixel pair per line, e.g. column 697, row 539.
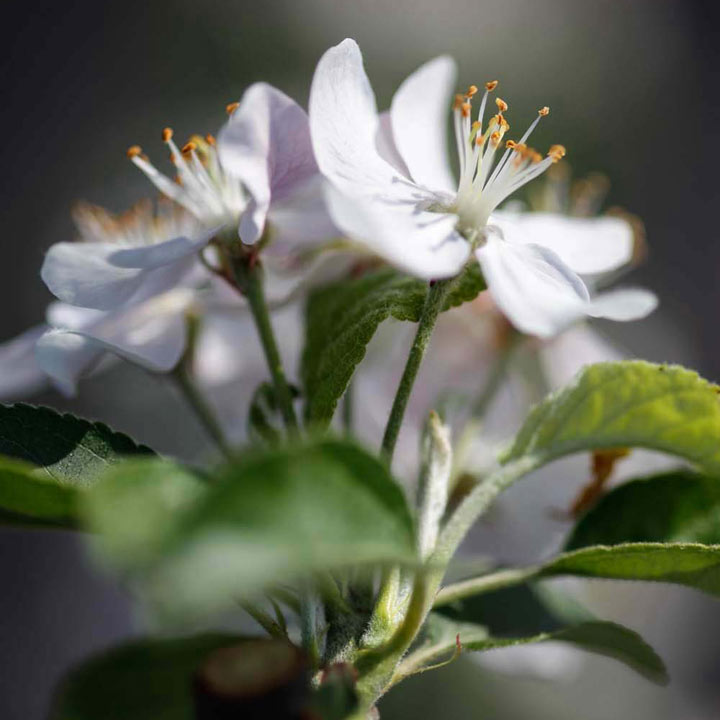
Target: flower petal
column 20, row 375
column 103, row 276
column 419, row 114
column 344, row 124
column 386, row 147
column 266, row 144
column 424, row 244
column 586, row 245
column 623, row 305
column 537, row 292
column 151, row 334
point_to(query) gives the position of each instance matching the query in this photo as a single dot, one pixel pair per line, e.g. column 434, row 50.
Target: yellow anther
column 465, row 108
column 535, row 157
column 475, row 126
column 480, row 140
column 134, row 151
column 556, row 152
column 490, row 86
column 521, row 148
column 458, row 101
column 495, row 138
column 511, row 145
column 230, row 108
column 189, row 147
column 167, row 134
column 544, row 111
column 210, row 139
column 502, row 105
column 471, row 91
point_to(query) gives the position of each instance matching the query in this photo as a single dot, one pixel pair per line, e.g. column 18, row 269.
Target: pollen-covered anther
column 458, row 101
column 501, row 105
column 556, row 152
column 167, row 134
column 134, row 151
column 472, row 90
column 510, row 144
column 210, row 139
column 544, row 111
column 480, row 140
column 495, row 138
column 189, row 147
column 490, row 86
column 230, row 108
column 466, row 109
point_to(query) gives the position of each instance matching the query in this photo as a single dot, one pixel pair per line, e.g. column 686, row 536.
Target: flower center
column 485, row 182
column 201, row 186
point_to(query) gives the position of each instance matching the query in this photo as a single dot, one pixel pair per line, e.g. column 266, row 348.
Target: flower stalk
column 434, row 302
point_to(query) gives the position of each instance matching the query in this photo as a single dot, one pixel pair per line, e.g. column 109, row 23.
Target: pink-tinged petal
column 103, row 276
column 302, row 220
column 20, row 375
column 586, row 245
column 537, row 292
column 266, row 144
column 623, row 305
column 419, row 114
column 344, row 124
column 422, row 243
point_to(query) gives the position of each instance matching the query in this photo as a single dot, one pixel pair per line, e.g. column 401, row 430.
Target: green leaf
column 623, row 404
column 603, row 638
column 276, row 514
column 679, row 506
column 690, row 564
column 144, row 680
column 626, row 404
column 342, row 318
column 67, row 448
column 28, row 498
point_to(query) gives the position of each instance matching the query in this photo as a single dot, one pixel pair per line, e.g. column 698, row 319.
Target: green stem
column 202, row 410
column 248, row 275
column 267, row 623
column 484, row 584
column 434, row 301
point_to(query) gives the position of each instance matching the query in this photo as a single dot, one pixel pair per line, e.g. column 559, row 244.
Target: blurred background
column 633, row 87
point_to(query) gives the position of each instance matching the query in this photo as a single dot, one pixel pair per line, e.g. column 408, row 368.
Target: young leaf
column 28, row 498
column 626, row 404
column 144, row 680
column 622, row 404
column 276, row 514
column 65, row 446
column 342, row 318
column 690, row 564
column 678, row 506
column 603, row 638
column 265, row 421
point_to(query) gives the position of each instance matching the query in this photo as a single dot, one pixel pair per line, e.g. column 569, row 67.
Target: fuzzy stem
column 248, row 276
column 434, row 301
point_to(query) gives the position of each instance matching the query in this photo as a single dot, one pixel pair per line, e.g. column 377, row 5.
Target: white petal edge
column 420, row 243
column 623, row 304
column 20, row 375
column 419, row 114
column 532, row 286
column 586, row 245
column 344, row 124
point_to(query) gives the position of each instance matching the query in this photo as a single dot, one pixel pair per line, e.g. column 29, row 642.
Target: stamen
column 490, row 86
column 230, row 108
column 471, row 91
column 188, row 147
column 465, row 108
column 501, row 104
column 167, row 134
column 134, row 151
column 458, row 100
column 556, row 152
column 210, row 139
column 544, row 111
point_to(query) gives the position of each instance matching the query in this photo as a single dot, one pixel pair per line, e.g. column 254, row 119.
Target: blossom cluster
column 311, row 196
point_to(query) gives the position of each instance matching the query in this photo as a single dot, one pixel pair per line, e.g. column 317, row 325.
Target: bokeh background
column 633, row 86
